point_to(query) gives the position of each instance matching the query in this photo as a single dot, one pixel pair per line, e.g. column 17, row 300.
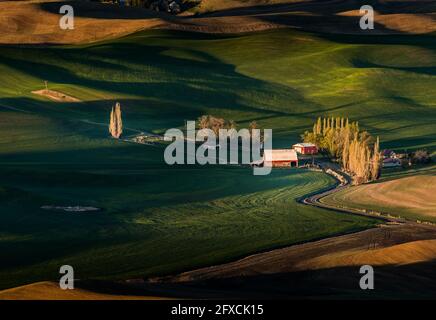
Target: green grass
column 282, row 79
column 158, row 219
column 186, row 218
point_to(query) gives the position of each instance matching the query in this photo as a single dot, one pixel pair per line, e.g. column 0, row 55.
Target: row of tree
column 171, row 6
column 215, row 124
column 205, row 121
column 358, row 152
column 421, row 156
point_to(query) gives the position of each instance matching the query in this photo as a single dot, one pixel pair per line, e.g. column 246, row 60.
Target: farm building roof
column 304, row 144
column 280, row 155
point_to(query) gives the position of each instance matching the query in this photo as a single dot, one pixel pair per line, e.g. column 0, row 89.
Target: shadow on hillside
column 331, row 7
column 193, row 84
column 427, row 70
column 97, row 10
column 413, row 281
column 318, row 16
column 324, row 16
column 199, row 83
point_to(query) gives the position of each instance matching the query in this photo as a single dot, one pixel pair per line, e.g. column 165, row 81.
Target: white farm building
column 280, row 158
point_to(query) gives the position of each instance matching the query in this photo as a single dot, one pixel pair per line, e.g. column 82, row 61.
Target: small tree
column 204, row 121
column 376, row 161
column 252, row 126
column 230, row 124
column 421, row 156
column 217, row 124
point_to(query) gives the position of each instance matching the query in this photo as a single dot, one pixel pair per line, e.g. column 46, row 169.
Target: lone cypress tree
column 116, row 123
column 376, row 161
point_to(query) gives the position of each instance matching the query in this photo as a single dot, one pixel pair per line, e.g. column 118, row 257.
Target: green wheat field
column 158, row 219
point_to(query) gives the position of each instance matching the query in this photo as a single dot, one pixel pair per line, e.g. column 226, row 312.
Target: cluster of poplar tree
column 357, row 151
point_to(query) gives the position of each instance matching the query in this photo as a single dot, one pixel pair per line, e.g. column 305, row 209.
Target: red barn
column 305, row 148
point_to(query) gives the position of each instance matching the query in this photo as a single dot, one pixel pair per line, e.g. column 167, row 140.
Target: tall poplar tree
column 116, row 123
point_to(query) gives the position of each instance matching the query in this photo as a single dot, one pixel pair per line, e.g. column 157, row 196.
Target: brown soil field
column 208, row 6
column 403, row 257
column 413, row 195
column 37, row 21
column 55, row 95
column 51, row 291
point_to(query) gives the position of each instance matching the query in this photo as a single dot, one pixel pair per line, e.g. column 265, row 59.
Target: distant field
column 410, row 196
column 218, row 5
column 37, row 21
column 158, row 219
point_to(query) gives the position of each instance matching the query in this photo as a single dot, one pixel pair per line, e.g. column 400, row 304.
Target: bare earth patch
column 402, row 22
column 37, row 22
column 56, row 95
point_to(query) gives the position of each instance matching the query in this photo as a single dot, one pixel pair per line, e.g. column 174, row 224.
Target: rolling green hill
column 281, row 79
column 158, row 219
